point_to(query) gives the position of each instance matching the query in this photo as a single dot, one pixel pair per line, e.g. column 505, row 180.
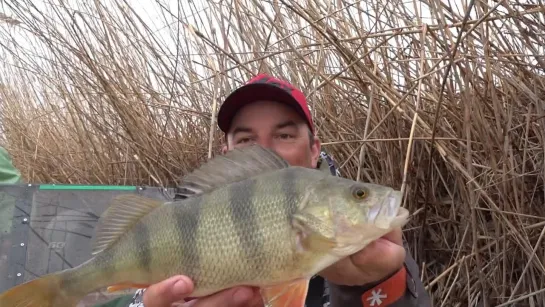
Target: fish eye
column 359, row 192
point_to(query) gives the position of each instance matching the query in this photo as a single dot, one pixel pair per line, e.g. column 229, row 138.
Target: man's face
column 278, row 127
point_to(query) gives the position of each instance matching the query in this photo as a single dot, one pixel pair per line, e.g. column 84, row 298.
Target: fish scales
column 172, row 229
column 259, row 194
column 243, row 204
column 281, row 193
column 175, row 242
column 142, row 241
column 186, row 224
column 249, row 245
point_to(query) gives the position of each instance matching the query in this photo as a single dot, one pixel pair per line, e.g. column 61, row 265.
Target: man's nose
column 265, row 142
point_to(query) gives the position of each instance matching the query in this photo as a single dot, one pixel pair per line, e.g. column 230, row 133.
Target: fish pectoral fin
column 125, row 286
column 290, row 294
column 310, row 236
column 315, row 242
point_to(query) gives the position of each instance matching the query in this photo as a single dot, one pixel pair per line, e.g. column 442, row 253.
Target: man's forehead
column 258, row 104
column 260, row 110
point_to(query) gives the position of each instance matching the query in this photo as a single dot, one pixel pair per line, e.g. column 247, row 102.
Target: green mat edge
column 86, row 187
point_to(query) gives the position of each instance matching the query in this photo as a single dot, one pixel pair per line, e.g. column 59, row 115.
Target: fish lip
column 387, row 208
column 394, row 202
column 401, row 218
column 388, row 213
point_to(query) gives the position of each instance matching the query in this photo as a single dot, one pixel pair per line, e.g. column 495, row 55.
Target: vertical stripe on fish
column 242, row 205
column 186, row 225
column 143, row 245
column 289, row 191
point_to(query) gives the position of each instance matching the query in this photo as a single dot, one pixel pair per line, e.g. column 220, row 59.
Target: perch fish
column 250, row 219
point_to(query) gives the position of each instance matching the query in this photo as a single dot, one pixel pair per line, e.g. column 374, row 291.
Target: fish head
column 351, row 214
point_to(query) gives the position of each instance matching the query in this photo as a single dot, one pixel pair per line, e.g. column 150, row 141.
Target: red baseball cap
column 263, row 87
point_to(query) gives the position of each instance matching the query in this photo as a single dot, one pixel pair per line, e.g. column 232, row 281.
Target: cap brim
column 250, row 93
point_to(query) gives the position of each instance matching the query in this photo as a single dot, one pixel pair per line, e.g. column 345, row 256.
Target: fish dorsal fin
column 123, row 213
column 235, row 165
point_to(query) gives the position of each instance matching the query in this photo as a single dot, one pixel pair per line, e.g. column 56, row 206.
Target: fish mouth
column 401, row 218
column 389, row 213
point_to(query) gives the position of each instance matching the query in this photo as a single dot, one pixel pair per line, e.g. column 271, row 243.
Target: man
column 274, row 114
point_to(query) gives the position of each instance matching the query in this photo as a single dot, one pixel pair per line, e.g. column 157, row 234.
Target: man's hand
column 374, row 263
column 172, row 292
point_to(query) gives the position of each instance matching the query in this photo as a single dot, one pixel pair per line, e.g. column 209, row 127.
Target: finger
column 235, row 297
column 394, row 236
column 344, row 272
column 381, row 258
column 375, row 262
column 166, row 292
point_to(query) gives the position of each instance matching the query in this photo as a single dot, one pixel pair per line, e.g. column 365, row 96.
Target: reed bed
column 442, row 99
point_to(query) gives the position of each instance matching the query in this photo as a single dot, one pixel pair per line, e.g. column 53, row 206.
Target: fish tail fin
column 46, row 291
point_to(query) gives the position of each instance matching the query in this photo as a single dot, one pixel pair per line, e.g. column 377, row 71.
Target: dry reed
column 449, row 108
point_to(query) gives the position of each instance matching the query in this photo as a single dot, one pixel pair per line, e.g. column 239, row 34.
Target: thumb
column 168, row 291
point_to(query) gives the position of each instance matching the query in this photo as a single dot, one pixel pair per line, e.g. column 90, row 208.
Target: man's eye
column 243, row 140
column 284, row 136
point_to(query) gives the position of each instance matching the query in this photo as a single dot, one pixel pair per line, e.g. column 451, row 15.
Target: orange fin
column 125, row 286
column 290, row 294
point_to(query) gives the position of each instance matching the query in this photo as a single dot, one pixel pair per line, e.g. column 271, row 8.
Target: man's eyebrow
column 241, row 129
column 287, row 123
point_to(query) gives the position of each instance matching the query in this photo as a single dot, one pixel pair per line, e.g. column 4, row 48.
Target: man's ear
column 224, row 149
column 315, row 150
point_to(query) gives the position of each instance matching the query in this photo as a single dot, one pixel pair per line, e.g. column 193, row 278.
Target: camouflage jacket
column 402, row 289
